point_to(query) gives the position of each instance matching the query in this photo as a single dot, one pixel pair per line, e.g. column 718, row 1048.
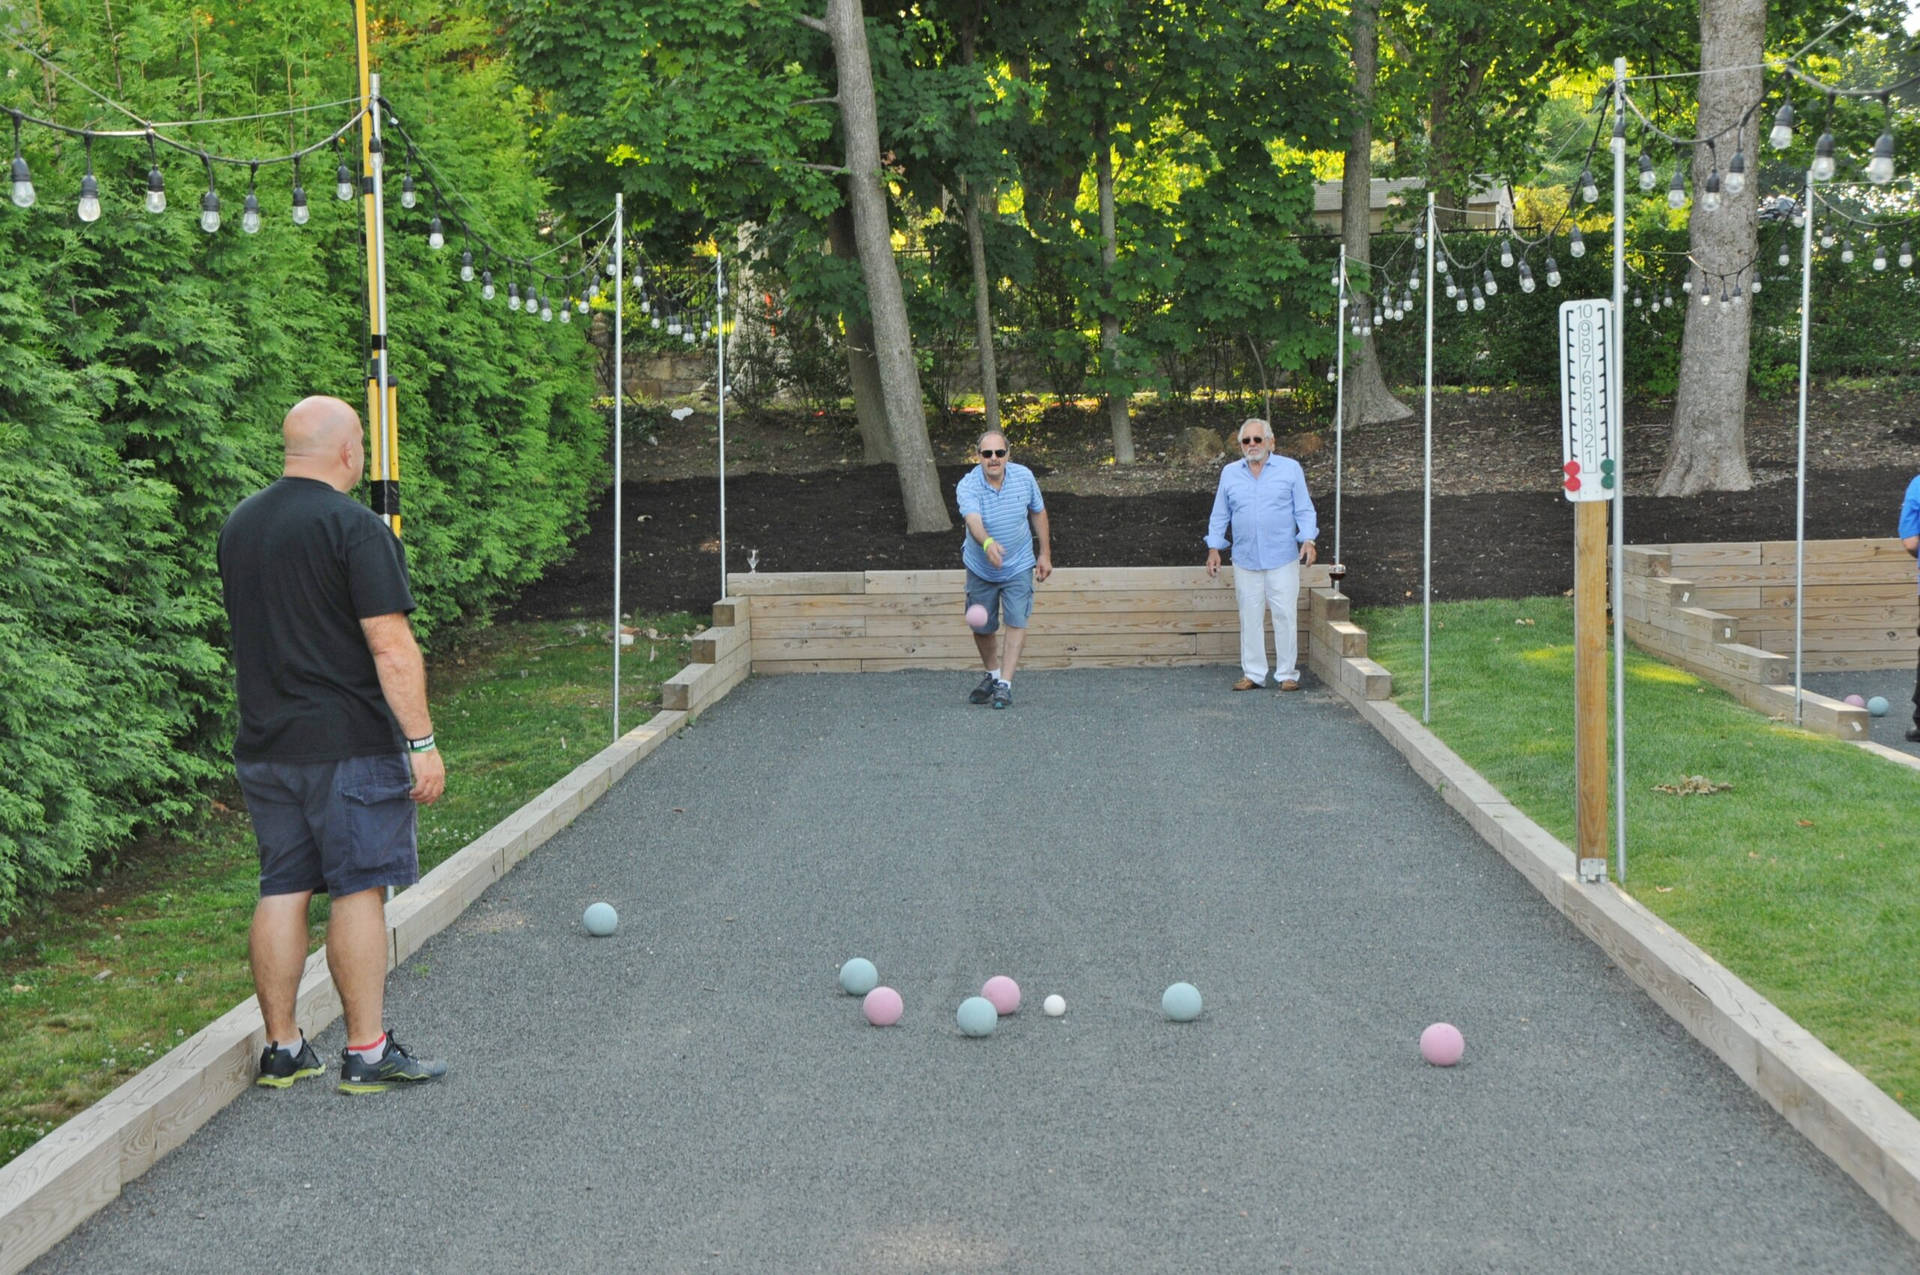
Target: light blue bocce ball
column 976, row 1016
column 1877, row 706
column 600, row 919
column 1181, row 1002
column 858, row 977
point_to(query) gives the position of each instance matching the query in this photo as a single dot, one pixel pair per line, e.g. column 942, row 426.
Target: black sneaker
column 395, row 1066
column 1002, row 695
column 983, row 692
column 1913, row 733
column 279, row 1069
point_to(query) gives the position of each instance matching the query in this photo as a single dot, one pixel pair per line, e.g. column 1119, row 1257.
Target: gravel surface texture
column 696, row 1093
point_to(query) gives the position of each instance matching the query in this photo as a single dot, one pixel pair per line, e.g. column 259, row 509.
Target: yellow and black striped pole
column 383, row 415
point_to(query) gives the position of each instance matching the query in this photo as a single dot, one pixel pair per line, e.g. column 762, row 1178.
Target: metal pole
column 1339, row 397
column 384, row 482
column 619, row 449
column 1800, row 464
column 1426, row 507
column 720, row 381
column 1617, row 331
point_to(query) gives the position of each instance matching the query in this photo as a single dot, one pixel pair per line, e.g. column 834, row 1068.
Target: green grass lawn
column 1801, row 877
column 105, row 977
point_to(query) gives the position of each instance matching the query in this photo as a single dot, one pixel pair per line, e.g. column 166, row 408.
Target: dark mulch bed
column 1488, row 545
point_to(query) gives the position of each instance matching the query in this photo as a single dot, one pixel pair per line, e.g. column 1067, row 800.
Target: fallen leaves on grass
column 1692, row 786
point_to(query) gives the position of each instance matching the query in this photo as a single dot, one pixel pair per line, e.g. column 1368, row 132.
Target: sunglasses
column 1251, row 439
column 991, row 452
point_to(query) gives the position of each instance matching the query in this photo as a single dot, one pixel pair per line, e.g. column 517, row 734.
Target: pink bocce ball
column 1858, row 701
column 1003, row 992
column 1442, row 1044
column 882, row 1007
column 977, row 618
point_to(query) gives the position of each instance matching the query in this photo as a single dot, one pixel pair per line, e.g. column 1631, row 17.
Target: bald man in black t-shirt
column 335, row 744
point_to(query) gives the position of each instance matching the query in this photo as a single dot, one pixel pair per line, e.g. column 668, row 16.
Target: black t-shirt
column 300, row 566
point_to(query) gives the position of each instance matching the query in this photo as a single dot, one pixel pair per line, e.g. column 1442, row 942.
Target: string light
column 1479, row 301
column 1589, row 191
column 22, row 193
column 1488, row 282
column 250, row 207
column 1782, row 135
column 1880, row 167
column 1822, row 170
column 89, row 205
column 1906, row 254
column 1506, row 255
column 1677, row 189
column 156, row 201
column 1526, row 278
column 1846, row 252
column 1737, row 170
column 300, row 210
column 1578, row 246
column 209, row 202
column 1553, row 273
column 408, row 196
column 1879, row 256
column 1648, row 178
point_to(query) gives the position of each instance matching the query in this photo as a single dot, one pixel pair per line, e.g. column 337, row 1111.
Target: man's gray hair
column 979, row 442
column 1266, row 430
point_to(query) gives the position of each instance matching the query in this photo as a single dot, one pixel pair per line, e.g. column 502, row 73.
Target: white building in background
column 1396, row 202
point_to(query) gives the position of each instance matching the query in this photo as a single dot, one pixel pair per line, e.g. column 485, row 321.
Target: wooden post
column 1590, row 687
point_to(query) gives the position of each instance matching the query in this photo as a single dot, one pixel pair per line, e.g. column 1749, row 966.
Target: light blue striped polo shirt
column 1004, row 514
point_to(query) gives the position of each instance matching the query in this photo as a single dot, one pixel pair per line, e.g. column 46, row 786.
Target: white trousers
column 1278, row 591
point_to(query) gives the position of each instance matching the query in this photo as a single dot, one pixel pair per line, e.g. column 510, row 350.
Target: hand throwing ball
column 976, row 1016
column 1181, row 1002
column 1442, row 1044
column 1003, row 992
column 1877, row 706
column 882, row 1007
column 977, row 618
column 858, row 977
column 600, row 919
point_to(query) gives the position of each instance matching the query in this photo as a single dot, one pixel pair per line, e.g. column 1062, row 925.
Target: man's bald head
column 324, row 441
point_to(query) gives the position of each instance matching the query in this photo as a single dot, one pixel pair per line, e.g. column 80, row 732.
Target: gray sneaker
column 1002, row 695
column 983, row 692
column 395, row 1066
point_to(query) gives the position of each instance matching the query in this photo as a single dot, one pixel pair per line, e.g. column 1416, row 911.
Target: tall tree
column 845, row 26
column 1709, row 447
column 1368, row 400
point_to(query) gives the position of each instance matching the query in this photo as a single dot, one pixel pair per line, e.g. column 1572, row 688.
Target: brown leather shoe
column 1246, row 684
column 1289, row 686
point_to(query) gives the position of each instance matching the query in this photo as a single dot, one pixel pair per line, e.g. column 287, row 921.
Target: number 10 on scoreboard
column 1589, row 417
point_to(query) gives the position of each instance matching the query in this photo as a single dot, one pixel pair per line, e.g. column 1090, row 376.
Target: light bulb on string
column 1648, row 178
column 1906, row 254
column 466, row 265
column 22, row 192
column 1826, row 239
column 612, row 269
column 1440, row 264
column 1879, row 256
column 1880, row 167
column 1589, row 191
column 1489, row 283
column 1677, row 188
column 1755, row 285
column 1452, row 291
column 88, row 208
column 1736, row 170
column 1846, row 252
column 1460, row 304
column 1822, row 169
column 1636, row 299
column 156, row 181
column 1506, row 255
column 1782, row 135
column 1578, row 246
column 487, row 290
column 250, row 206
column 656, row 321
column 436, row 233
column 1686, row 284
column 1479, row 301
column 1725, row 299
column 546, row 309
column 1710, row 196
column 1739, row 293
column 687, row 336
column 408, row 196
column 566, row 311
column 1526, row 278
column 209, row 202
column 513, row 295
column 300, row 210
column 1666, row 301
column 343, row 182
column 1553, row 273
column 1786, row 256
column 1413, row 282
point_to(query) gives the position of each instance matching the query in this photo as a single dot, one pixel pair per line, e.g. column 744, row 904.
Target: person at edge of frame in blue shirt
column 1910, row 541
column 1008, row 547
column 1263, row 499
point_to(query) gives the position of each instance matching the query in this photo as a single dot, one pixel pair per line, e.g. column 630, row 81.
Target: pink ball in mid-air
column 1858, row 701
column 977, row 617
column 1442, row 1044
column 882, row 1007
column 1003, row 992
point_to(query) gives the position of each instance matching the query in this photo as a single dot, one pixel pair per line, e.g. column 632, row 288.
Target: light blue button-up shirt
column 1271, row 515
column 1910, row 511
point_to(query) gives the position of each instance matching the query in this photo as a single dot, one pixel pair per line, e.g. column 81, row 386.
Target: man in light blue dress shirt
column 1263, row 501
column 1007, row 548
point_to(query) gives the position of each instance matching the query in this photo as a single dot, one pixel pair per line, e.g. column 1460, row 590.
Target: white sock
column 372, row 1052
column 995, row 673
column 293, row 1048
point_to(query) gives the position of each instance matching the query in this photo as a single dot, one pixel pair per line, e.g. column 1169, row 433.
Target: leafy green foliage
column 145, row 367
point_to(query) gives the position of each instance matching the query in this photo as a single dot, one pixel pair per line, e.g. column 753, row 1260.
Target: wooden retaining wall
column 1725, row 613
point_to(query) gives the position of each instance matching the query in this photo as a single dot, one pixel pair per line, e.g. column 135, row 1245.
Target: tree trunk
column 1117, row 415
column 1708, row 451
column 1368, row 400
column 863, row 370
column 971, row 200
column 893, row 340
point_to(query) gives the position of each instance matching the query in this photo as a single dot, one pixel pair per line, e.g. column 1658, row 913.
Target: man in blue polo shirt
column 1006, row 550
column 1910, row 541
column 1263, row 499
